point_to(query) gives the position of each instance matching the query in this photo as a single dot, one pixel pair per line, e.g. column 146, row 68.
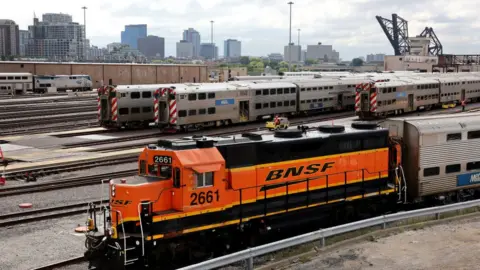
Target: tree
column 3, row 58
column 283, row 64
column 244, row 60
column 255, row 64
column 310, row 62
column 357, row 62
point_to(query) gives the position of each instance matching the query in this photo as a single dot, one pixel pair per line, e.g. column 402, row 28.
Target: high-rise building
column 193, row 36
column 379, row 57
column 152, row 46
column 292, row 53
column 232, row 48
column 57, row 38
column 277, row 57
column 208, row 51
column 321, row 52
column 133, row 33
column 24, row 36
column 184, row 49
column 9, row 38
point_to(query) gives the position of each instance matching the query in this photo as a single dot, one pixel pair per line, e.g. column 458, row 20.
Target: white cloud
column 262, row 25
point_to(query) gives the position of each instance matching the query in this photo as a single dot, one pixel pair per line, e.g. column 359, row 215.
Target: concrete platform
column 87, row 157
column 71, row 132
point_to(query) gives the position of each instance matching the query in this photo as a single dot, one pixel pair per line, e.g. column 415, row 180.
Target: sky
column 263, row 25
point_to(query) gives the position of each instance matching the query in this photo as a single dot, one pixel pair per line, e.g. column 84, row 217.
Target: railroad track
column 56, row 168
column 46, row 99
column 222, row 131
column 74, row 260
column 40, row 120
column 64, row 183
column 44, row 111
column 51, row 128
column 35, row 215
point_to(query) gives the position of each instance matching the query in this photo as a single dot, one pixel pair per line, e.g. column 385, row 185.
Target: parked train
column 211, row 193
column 62, row 83
column 21, row 83
column 378, row 99
column 192, row 106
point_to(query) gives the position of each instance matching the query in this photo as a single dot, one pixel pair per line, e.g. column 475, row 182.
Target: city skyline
column 261, row 35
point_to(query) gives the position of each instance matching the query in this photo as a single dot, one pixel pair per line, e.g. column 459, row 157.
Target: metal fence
column 248, row 254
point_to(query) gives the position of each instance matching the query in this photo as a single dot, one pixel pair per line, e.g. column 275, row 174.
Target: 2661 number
column 162, row 159
column 202, row 197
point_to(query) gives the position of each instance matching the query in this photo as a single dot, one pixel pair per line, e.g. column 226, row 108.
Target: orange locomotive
column 202, row 188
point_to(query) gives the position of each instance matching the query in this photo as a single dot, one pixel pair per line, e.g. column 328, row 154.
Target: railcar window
column 192, row 112
column 302, row 89
column 454, row 136
column 147, row 109
column 265, row 105
column 286, row 90
column 123, row 94
column 211, row 110
column 272, row 91
column 135, row 95
column 17, row 78
column 135, row 110
column 10, row 78
column 24, row 78
column 309, row 89
column 279, row 104
column 165, row 171
column 431, row 171
column 279, row 91
column 3, row 78
column 285, row 103
column 123, row 111
column 293, row 90
column 272, row 104
column 204, row 179
column 202, row 96
column 474, row 165
column 176, row 178
column 211, row 95
column 182, row 113
column 202, row 111
column 265, row 92
column 258, row 106
column 143, row 167
column 258, row 92
column 302, row 101
column 292, row 102
column 452, row 168
column 473, row 134
column 192, row 96
column 146, row 94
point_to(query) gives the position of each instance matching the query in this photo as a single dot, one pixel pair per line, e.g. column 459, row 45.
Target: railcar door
column 410, row 102
column 340, row 101
column 244, row 110
column 462, row 98
column 364, row 102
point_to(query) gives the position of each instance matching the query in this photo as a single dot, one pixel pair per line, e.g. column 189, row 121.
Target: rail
column 248, row 254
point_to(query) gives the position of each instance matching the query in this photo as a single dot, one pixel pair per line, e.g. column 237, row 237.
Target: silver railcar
column 129, row 105
column 443, row 154
column 16, row 83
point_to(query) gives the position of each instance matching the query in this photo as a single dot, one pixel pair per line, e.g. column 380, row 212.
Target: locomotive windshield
column 161, row 171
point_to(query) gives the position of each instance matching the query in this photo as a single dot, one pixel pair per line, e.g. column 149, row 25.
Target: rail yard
column 69, row 154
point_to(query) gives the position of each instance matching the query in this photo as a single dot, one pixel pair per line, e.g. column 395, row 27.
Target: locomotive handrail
column 250, row 253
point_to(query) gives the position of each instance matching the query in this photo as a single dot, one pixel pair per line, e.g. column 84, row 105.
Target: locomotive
column 207, row 192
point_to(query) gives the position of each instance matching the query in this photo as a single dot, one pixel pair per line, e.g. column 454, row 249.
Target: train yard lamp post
column 85, row 29
column 290, row 38
column 213, row 46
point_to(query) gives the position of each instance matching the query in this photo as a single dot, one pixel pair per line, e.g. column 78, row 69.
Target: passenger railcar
column 16, row 83
column 407, row 94
column 208, row 192
column 443, row 162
